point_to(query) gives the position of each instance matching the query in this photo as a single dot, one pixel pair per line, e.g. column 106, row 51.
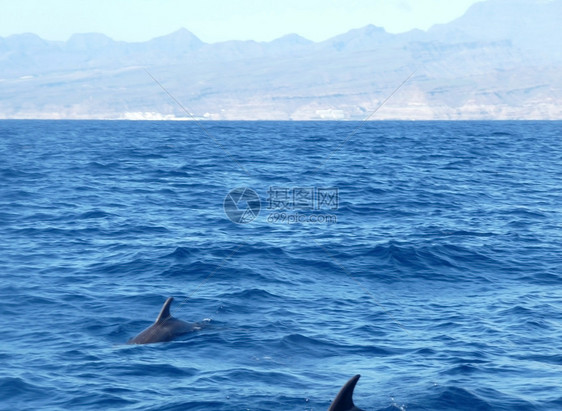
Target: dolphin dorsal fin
column 344, row 399
column 165, row 311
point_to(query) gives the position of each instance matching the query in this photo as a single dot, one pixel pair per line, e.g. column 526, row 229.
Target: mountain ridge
column 465, row 69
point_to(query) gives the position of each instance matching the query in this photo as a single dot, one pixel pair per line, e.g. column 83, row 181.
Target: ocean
column 425, row 256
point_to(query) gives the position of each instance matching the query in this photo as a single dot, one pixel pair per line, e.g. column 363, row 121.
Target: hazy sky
column 218, row 20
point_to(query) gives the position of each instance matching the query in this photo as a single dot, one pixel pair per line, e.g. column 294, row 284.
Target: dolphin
column 344, row 399
column 165, row 328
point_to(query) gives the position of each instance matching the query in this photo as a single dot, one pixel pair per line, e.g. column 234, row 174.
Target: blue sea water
column 433, row 268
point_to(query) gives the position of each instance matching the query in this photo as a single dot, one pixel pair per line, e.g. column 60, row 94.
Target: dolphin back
column 165, row 328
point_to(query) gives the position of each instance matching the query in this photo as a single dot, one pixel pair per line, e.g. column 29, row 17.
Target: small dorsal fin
column 165, row 311
column 344, row 399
